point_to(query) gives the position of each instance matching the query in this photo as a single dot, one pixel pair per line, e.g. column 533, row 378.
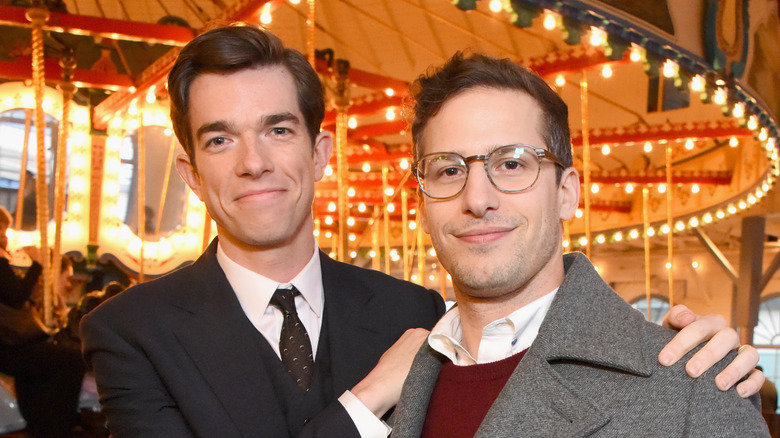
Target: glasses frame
column 540, row 155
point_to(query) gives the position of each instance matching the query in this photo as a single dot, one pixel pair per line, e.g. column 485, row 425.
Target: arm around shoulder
column 713, row 412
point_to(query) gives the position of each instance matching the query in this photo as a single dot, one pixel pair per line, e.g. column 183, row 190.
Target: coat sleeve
column 712, row 412
column 132, row 396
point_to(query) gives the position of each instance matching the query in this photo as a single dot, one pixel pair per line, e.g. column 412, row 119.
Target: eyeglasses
column 511, row 169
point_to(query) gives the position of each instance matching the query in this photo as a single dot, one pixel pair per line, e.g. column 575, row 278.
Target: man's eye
column 279, row 131
column 216, row 141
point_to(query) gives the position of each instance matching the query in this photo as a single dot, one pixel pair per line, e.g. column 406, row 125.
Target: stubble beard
column 488, row 273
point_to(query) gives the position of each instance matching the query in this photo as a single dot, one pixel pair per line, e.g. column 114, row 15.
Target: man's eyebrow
column 273, row 119
column 219, row 125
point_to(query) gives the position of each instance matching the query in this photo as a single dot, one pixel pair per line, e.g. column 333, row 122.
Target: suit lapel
column 225, row 347
column 409, row 416
column 348, row 307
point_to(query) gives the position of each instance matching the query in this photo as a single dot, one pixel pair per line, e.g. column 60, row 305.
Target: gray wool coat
column 593, row 371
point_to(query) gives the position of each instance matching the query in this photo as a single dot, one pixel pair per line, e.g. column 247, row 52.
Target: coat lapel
column 348, row 309
column 225, row 347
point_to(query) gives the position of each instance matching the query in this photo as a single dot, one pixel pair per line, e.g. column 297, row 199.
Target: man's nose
column 479, row 195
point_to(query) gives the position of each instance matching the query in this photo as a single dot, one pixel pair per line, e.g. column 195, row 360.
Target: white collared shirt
column 500, row 339
column 254, row 293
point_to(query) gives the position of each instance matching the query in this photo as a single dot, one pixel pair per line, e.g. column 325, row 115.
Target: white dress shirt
column 254, row 293
column 500, row 339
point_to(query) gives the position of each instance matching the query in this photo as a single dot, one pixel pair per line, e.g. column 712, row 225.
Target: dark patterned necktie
column 294, row 343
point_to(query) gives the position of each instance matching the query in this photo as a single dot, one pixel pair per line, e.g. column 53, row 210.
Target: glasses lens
column 442, row 175
column 513, row 168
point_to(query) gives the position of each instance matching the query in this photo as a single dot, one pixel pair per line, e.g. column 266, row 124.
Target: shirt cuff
column 367, row 424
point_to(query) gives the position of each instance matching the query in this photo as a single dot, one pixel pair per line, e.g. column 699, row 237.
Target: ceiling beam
column 101, row 27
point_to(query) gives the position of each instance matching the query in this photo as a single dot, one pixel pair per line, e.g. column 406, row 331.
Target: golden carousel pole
column 420, row 252
column 386, row 218
column 310, row 24
column 68, row 63
column 646, row 220
column 405, row 231
column 375, row 263
column 585, row 157
column 38, row 16
column 669, row 236
column 141, row 195
column 341, row 103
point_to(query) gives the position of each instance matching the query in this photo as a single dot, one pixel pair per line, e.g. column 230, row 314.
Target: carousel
column 674, row 109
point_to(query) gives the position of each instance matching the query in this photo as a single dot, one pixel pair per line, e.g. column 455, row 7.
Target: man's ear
column 569, row 193
column 188, row 173
column 323, row 148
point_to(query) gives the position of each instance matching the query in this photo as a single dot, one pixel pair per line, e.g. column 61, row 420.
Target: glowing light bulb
column 328, row 170
column 362, row 207
column 597, row 36
column 636, row 53
column 670, row 69
column 606, row 71
column 720, row 96
column 328, row 220
column 366, row 167
column 495, row 6
column 695, row 188
column 752, row 123
column 351, row 192
column 617, row 237
column 332, row 207
column 698, row 83
column 629, row 188
column 648, row 147
column 550, row 20
column 389, row 92
column 404, row 164
column 733, row 142
column 390, row 114
column 560, row 80
column 661, row 188
column 739, row 110
column 605, row 150
column 594, row 188
column 150, row 96
column 390, row 208
column 352, row 122
column 689, row 144
column 578, row 213
column 633, row 234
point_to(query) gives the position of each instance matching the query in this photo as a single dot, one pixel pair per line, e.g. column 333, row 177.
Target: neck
column 279, row 263
column 477, row 312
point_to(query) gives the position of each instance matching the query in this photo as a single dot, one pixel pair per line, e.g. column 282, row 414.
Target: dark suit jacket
column 177, row 357
column 593, row 371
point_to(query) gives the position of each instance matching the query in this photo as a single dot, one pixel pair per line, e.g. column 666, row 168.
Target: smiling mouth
column 255, row 194
column 483, row 235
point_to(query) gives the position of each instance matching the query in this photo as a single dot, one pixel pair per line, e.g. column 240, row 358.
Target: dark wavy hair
column 234, row 48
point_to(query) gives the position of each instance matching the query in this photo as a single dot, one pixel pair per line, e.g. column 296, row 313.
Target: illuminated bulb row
column 680, row 225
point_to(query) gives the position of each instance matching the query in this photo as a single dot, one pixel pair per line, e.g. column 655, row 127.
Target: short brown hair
column 234, row 48
column 464, row 72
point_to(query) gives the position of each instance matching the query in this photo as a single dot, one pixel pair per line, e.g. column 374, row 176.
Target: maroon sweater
column 463, row 395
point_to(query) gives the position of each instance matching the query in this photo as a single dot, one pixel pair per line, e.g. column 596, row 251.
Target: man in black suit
column 199, row 352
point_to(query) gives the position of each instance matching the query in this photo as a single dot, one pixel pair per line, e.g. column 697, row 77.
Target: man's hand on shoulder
column 721, row 339
column 380, row 390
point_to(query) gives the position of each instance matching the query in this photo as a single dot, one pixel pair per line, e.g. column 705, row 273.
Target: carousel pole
column 669, row 224
column 141, row 195
column 646, row 221
column 585, row 156
column 341, row 103
column 375, row 263
column 420, row 253
column 38, row 16
column 386, row 219
column 310, row 24
column 68, row 63
column 23, row 169
column 405, row 231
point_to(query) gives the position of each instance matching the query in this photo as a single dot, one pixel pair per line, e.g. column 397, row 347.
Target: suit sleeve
column 713, row 412
column 132, row 396
column 16, row 291
column 333, row 421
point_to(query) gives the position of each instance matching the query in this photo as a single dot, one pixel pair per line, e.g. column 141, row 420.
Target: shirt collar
column 254, row 291
column 500, row 339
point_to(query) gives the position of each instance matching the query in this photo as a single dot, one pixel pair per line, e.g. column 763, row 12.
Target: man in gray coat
column 538, row 344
